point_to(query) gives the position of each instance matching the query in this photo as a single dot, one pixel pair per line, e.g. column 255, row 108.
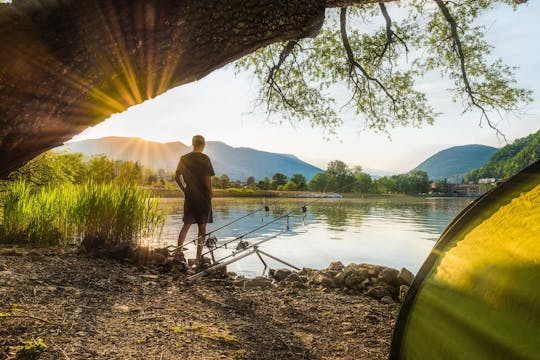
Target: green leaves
column 320, row 79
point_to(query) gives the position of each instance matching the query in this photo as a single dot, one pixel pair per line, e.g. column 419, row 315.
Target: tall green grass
column 65, row 213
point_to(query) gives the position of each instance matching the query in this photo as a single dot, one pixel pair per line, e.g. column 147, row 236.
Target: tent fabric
column 477, row 296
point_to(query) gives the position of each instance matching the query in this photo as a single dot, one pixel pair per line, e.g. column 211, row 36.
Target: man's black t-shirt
column 194, row 167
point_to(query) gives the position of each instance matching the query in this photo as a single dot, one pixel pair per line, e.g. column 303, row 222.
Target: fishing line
column 303, row 207
column 265, row 208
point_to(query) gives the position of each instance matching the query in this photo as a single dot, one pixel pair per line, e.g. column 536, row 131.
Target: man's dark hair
column 197, row 141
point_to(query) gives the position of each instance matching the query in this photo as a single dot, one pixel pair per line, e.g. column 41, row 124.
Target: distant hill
column 238, row 163
column 510, row 159
column 453, row 163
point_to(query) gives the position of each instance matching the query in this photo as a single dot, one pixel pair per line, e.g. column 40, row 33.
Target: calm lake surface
column 390, row 231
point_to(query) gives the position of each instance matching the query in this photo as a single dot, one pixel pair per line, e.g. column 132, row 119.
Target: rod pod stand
column 252, row 249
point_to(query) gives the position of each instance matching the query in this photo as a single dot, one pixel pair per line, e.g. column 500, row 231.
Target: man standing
column 194, row 176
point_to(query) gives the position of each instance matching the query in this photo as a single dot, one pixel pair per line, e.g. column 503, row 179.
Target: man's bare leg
column 200, row 242
column 181, row 239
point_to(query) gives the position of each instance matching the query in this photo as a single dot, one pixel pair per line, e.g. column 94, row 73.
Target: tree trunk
column 67, row 65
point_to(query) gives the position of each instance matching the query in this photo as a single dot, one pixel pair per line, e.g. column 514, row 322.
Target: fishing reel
column 242, row 245
column 211, row 242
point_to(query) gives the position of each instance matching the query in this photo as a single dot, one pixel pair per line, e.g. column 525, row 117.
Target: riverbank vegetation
column 57, row 199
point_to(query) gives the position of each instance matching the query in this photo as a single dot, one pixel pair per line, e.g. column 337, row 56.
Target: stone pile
column 382, row 283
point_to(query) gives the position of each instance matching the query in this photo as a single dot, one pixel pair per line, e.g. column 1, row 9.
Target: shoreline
column 91, row 308
column 246, row 193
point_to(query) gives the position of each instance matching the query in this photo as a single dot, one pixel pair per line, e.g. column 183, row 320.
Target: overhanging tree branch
column 458, row 48
column 346, row 3
column 350, row 55
column 390, row 34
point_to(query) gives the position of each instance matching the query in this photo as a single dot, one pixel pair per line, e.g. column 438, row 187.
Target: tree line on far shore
column 52, row 168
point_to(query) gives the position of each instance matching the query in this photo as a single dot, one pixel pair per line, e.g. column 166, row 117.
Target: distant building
column 488, row 181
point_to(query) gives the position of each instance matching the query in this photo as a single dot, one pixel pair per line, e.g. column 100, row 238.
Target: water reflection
column 397, row 232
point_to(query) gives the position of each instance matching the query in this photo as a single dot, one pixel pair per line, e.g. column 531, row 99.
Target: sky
column 220, row 107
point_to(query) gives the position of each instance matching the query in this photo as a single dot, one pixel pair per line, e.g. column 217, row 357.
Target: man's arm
column 208, row 184
column 179, row 180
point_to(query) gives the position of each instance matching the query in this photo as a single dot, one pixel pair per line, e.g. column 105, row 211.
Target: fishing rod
column 245, row 249
column 242, row 236
column 254, row 250
column 213, row 246
column 265, row 208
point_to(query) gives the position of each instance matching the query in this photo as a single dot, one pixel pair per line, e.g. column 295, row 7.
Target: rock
column 91, row 243
column 403, row 290
column 193, row 262
column 389, row 276
column 296, row 285
column 279, row 274
column 329, row 273
column 293, row 278
column 336, row 266
column 378, row 292
column 307, row 271
column 120, row 308
column 387, row 300
column 353, row 277
column 258, row 282
column 219, row 272
column 324, row 280
column 405, row 277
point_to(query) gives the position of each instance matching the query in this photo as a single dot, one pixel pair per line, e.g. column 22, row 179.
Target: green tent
column 477, row 296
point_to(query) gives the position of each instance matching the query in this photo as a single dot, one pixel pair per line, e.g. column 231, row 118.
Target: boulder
column 307, row 271
column 405, row 277
column 378, row 292
column 279, row 274
column 373, row 270
column 336, row 266
column 389, row 276
column 324, row 280
column 354, row 277
column 293, row 278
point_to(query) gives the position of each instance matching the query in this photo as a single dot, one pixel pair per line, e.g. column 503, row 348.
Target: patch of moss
column 177, row 329
column 30, row 349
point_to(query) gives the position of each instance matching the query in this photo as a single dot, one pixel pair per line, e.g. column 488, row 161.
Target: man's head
column 198, row 143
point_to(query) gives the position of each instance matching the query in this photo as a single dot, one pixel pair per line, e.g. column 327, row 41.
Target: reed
column 65, row 213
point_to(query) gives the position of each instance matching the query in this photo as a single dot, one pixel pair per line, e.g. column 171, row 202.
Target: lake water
column 390, row 231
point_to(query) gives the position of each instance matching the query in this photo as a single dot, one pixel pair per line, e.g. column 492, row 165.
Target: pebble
column 120, row 308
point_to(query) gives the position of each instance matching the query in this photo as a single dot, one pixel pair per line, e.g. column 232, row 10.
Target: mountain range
column 237, row 162
column 453, row 163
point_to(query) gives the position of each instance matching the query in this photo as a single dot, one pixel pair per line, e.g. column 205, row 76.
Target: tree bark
column 67, row 65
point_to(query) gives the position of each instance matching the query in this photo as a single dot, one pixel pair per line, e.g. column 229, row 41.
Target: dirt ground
column 86, row 308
